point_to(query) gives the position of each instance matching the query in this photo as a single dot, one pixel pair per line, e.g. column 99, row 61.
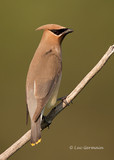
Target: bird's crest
column 50, row 26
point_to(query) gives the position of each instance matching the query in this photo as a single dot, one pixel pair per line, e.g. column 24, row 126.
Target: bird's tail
column 35, row 132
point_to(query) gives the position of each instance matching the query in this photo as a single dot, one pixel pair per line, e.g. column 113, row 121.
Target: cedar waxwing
column 44, row 76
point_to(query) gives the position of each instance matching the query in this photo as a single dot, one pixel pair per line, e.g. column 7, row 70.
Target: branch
column 56, row 110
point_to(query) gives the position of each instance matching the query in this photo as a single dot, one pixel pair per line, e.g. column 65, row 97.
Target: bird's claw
column 63, row 99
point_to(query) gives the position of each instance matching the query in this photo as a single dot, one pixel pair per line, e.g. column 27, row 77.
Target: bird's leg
column 63, row 99
column 46, row 121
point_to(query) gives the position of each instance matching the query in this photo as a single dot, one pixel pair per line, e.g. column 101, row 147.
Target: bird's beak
column 68, row 31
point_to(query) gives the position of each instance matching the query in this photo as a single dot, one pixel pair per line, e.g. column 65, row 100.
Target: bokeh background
column 90, row 120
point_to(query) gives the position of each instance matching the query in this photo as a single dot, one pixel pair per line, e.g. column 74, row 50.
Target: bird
column 44, row 76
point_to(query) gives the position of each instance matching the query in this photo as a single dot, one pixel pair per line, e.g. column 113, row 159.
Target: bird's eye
column 58, row 31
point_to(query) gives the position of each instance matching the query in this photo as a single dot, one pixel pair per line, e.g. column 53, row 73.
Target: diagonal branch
column 56, row 110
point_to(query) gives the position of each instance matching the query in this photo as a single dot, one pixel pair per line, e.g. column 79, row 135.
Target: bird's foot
column 63, row 99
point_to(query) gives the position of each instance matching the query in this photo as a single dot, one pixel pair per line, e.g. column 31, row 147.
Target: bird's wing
column 43, row 89
column 42, row 81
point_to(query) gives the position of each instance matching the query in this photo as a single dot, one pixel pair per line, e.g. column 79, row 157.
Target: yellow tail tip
column 38, row 141
column 32, row 144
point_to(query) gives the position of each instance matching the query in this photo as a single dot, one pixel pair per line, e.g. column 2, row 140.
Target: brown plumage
column 44, row 76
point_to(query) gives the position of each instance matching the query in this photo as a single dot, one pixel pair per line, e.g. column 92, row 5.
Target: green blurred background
column 90, row 120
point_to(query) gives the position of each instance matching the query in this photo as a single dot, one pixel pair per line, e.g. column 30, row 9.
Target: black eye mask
column 58, row 31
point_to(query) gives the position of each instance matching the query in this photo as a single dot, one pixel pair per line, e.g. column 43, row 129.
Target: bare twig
column 53, row 113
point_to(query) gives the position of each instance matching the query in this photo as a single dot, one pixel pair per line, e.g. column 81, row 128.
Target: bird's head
column 55, row 32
